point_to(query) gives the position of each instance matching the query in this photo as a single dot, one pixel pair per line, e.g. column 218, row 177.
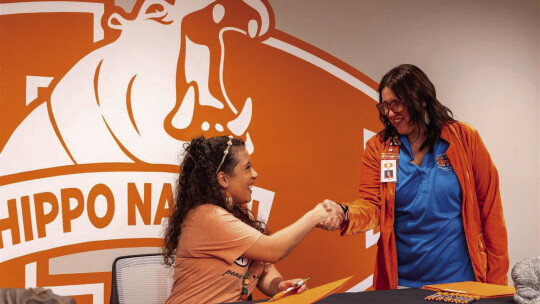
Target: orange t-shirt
column 209, row 267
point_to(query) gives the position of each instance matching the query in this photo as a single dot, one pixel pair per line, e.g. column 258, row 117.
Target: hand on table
column 290, row 283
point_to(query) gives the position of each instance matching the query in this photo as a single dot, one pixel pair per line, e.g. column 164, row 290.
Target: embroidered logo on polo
column 443, row 162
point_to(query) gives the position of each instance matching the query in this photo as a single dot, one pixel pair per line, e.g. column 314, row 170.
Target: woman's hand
column 290, row 283
column 337, row 216
column 320, row 213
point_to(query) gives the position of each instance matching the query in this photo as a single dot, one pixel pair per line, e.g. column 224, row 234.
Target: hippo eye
column 158, row 13
column 155, row 8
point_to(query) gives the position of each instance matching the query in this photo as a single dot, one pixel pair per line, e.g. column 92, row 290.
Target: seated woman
column 219, row 251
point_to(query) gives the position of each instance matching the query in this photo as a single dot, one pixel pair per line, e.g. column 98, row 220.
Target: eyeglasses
column 385, row 107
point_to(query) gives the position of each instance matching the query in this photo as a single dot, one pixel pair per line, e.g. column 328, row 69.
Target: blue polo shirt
column 430, row 239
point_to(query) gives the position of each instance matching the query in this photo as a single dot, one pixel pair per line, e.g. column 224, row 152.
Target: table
column 394, row 296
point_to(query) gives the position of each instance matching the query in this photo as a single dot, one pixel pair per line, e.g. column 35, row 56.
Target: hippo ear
column 116, row 21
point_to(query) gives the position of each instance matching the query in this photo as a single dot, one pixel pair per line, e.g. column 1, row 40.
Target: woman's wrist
column 313, row 217
column 316, row 217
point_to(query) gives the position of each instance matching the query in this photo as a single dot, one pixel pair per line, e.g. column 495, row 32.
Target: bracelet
column 345, row 211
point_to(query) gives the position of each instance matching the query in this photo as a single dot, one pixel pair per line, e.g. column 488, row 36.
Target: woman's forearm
column 275, row 247
column 269, row 281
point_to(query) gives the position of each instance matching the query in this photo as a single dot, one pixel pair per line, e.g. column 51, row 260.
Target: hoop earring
column 426, row 117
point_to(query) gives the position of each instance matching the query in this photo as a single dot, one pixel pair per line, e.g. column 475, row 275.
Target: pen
column 282, row 293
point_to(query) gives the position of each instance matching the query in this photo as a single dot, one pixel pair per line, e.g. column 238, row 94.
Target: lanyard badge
column 389, row 166
column 388, row 171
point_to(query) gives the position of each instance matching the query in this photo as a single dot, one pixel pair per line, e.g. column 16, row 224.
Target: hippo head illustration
column 138, row 98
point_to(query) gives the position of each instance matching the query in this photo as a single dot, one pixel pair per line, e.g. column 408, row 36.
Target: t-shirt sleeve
column 214, row 232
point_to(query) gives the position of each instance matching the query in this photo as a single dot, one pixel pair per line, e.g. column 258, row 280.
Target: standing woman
column 440, row 215
column 220, row 252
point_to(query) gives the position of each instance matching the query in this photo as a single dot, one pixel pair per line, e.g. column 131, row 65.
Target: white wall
column 538, row 62
column 483, row 57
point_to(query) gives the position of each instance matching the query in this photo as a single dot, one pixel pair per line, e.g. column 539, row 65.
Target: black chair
column 142, row 278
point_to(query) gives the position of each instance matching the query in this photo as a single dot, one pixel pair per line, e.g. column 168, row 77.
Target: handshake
column 330, row 215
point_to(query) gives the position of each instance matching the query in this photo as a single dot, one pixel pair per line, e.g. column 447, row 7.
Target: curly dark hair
column 412, row 86
column 198, row 185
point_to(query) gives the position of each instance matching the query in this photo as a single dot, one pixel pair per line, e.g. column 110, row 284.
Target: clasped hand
column 335, row 216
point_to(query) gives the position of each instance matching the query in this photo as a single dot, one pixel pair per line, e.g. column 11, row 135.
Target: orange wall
column 97, row 103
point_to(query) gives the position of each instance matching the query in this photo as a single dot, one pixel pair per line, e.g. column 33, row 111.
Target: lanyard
column 389, row 162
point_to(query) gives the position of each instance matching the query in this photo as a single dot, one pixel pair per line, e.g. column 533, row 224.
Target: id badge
column 388, row 171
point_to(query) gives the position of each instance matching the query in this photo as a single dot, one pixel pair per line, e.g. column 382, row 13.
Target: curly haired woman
column 219, row 251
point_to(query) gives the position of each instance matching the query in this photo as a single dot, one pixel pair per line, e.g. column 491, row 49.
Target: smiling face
column 241, row 179
column 401, row 120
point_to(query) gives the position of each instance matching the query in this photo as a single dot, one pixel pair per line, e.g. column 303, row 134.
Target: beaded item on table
column 457, row 298
column 245, row 283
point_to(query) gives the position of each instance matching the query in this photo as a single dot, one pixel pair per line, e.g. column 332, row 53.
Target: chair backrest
column 141, row 279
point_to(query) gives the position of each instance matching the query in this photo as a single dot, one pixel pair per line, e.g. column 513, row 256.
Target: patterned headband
column 229, row 144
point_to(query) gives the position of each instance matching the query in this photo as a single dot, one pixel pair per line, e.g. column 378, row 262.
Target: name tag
column 388, row 171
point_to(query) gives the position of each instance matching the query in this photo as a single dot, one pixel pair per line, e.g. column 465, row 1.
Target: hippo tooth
column 249, row 144
column 240, row 124
column 182, row 118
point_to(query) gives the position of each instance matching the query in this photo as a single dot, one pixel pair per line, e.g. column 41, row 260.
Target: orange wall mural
column 96, row 104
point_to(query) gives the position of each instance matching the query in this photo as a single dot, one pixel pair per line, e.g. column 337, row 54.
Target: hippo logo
column 124, row 114
column 98, row 104
column 242, row 262
column 443, row 162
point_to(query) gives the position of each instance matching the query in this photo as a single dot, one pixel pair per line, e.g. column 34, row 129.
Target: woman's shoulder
column 461, row 128
column 459, row 125
column 207, row 211
column 376, row 140
column 210, row 208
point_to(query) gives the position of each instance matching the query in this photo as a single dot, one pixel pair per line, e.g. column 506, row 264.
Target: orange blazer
column 483, row 219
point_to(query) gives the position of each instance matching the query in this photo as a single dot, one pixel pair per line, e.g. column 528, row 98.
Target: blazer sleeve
column 364, row 212
column 486, row 181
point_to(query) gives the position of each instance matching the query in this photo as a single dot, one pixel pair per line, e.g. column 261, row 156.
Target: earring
column 426, row 117
column 228, row 199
